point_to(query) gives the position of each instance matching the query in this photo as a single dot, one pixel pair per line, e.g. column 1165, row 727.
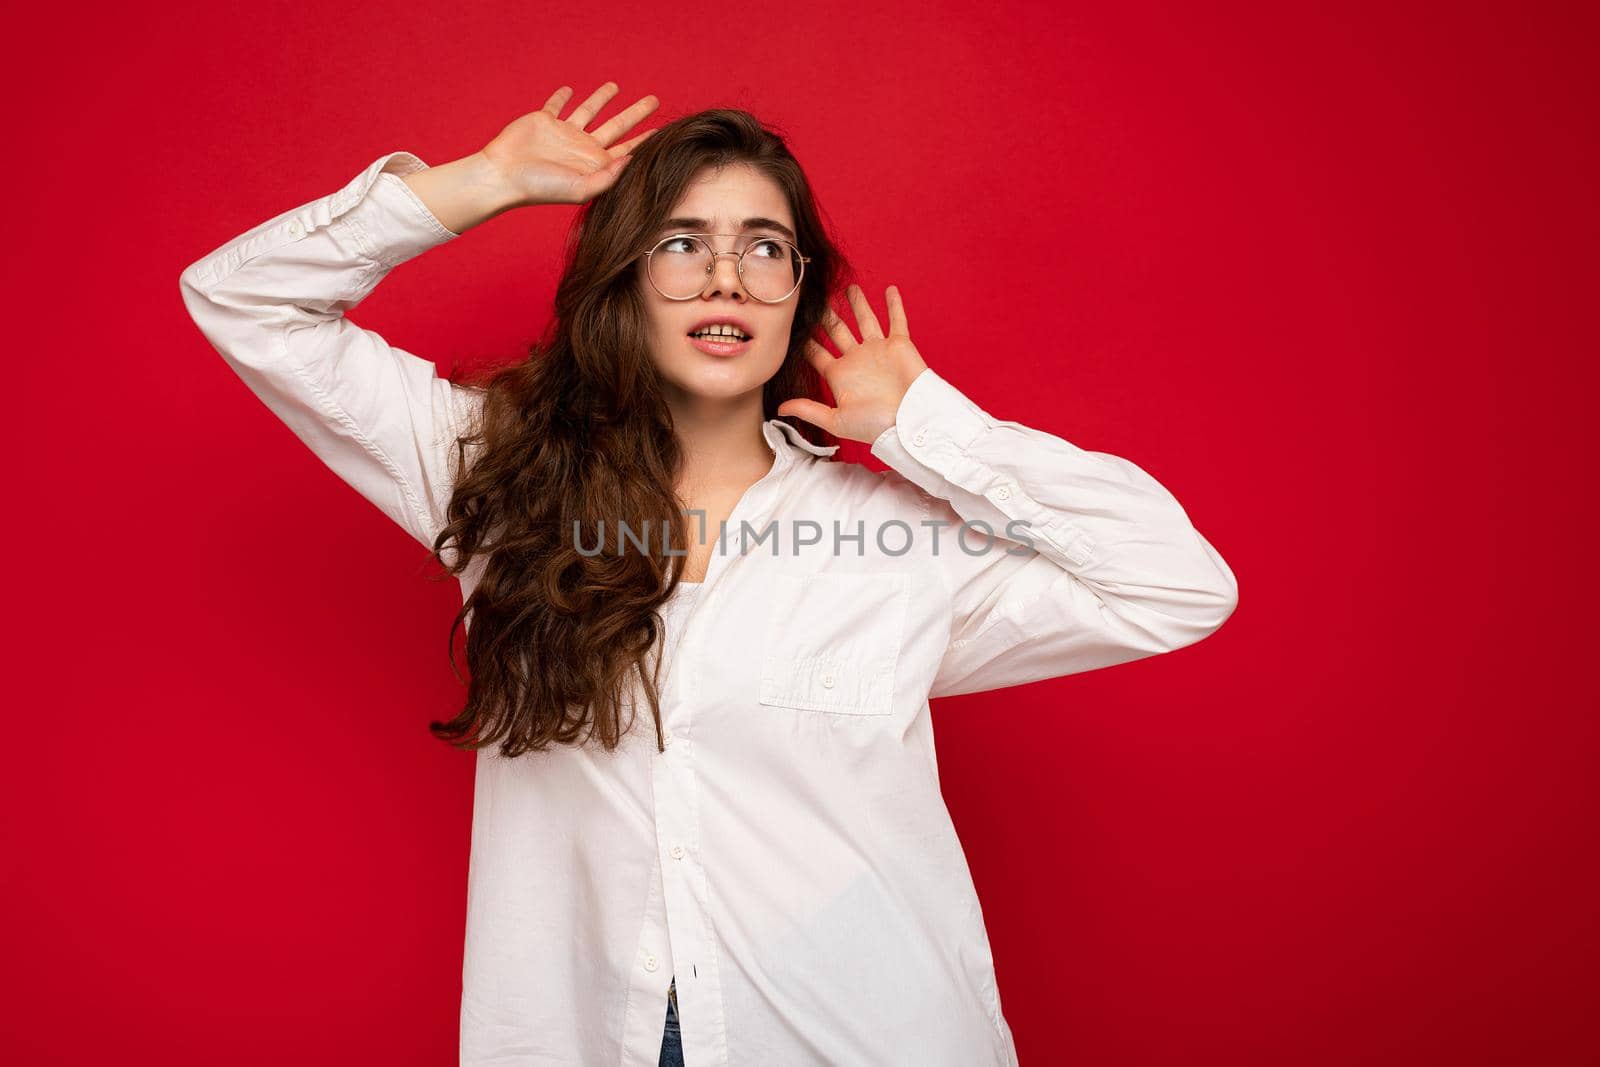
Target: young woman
column 645, row 514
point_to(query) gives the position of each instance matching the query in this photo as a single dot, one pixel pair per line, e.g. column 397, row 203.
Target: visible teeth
column 721, row 331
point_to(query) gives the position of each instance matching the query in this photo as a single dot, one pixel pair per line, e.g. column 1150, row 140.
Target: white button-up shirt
column 788, row 856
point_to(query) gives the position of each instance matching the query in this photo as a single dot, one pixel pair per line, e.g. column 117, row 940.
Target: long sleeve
column 272, row 301
column 1114, row 572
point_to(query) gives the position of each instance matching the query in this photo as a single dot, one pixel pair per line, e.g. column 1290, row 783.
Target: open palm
column 550, row 160
column 868, row 377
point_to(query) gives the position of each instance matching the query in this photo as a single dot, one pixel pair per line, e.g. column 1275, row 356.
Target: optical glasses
column 770, row 268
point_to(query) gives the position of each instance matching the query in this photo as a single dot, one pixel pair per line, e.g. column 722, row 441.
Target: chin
column 712, row 378
column 716, row 385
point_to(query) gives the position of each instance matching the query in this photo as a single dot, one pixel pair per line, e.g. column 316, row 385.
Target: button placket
column 683, row 881
column 653, row 955
column 686, row 929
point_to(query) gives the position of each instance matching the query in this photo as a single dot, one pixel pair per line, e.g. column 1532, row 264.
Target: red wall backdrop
column 1329, row 276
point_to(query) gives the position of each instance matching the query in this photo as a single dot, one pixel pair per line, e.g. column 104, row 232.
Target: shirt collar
column 785, row 437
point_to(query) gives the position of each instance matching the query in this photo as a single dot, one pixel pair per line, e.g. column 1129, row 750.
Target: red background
column 1321, row 274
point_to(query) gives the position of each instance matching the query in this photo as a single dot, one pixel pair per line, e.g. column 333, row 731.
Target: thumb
column 817, row 414
column 592, row 185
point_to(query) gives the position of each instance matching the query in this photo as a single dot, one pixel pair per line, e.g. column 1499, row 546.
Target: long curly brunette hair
column 579, row 432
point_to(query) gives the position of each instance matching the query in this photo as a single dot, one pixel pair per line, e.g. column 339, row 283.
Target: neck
column 722, row 443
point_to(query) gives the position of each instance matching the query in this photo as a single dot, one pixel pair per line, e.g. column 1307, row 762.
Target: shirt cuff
column 389, row 220
column 389, row 227
column 934, row 426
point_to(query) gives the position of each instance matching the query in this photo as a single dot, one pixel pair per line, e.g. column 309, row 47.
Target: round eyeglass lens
column 681, row 266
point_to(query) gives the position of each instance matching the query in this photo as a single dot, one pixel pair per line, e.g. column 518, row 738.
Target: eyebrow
column 702, row 225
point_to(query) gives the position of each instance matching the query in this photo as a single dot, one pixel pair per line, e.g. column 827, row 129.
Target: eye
column 768, row 249
column 682, row 245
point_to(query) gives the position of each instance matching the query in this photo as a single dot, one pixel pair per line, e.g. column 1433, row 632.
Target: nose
column 724, row 279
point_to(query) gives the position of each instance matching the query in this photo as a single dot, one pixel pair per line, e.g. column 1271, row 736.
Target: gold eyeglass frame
column 711, row 268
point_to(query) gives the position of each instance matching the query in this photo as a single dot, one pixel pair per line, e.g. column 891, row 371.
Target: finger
column 819, row 357
column 558, row 100
column 834, row 325
column 866, row 318
column 586, row 111
column 897, row 314
column 625, row 120
column 817, row 414
column 627, row 147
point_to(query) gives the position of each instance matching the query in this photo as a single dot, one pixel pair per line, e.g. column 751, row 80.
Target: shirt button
column 1004, row 492
column 295, row 228
column 919, row 438
column 677, row 852
column 827, row 681
column 666, row 736
column 650, row 963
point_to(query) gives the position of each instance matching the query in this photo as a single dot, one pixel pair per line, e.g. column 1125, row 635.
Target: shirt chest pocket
column 833, row 642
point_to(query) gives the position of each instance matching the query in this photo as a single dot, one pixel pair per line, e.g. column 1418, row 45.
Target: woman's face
column 736, row 200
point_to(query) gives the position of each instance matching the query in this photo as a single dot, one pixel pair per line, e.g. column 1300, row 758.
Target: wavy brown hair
column 579, row 433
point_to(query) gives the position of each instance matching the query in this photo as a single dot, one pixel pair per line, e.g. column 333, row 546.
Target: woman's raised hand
column 545, row 159
column 868, row 377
